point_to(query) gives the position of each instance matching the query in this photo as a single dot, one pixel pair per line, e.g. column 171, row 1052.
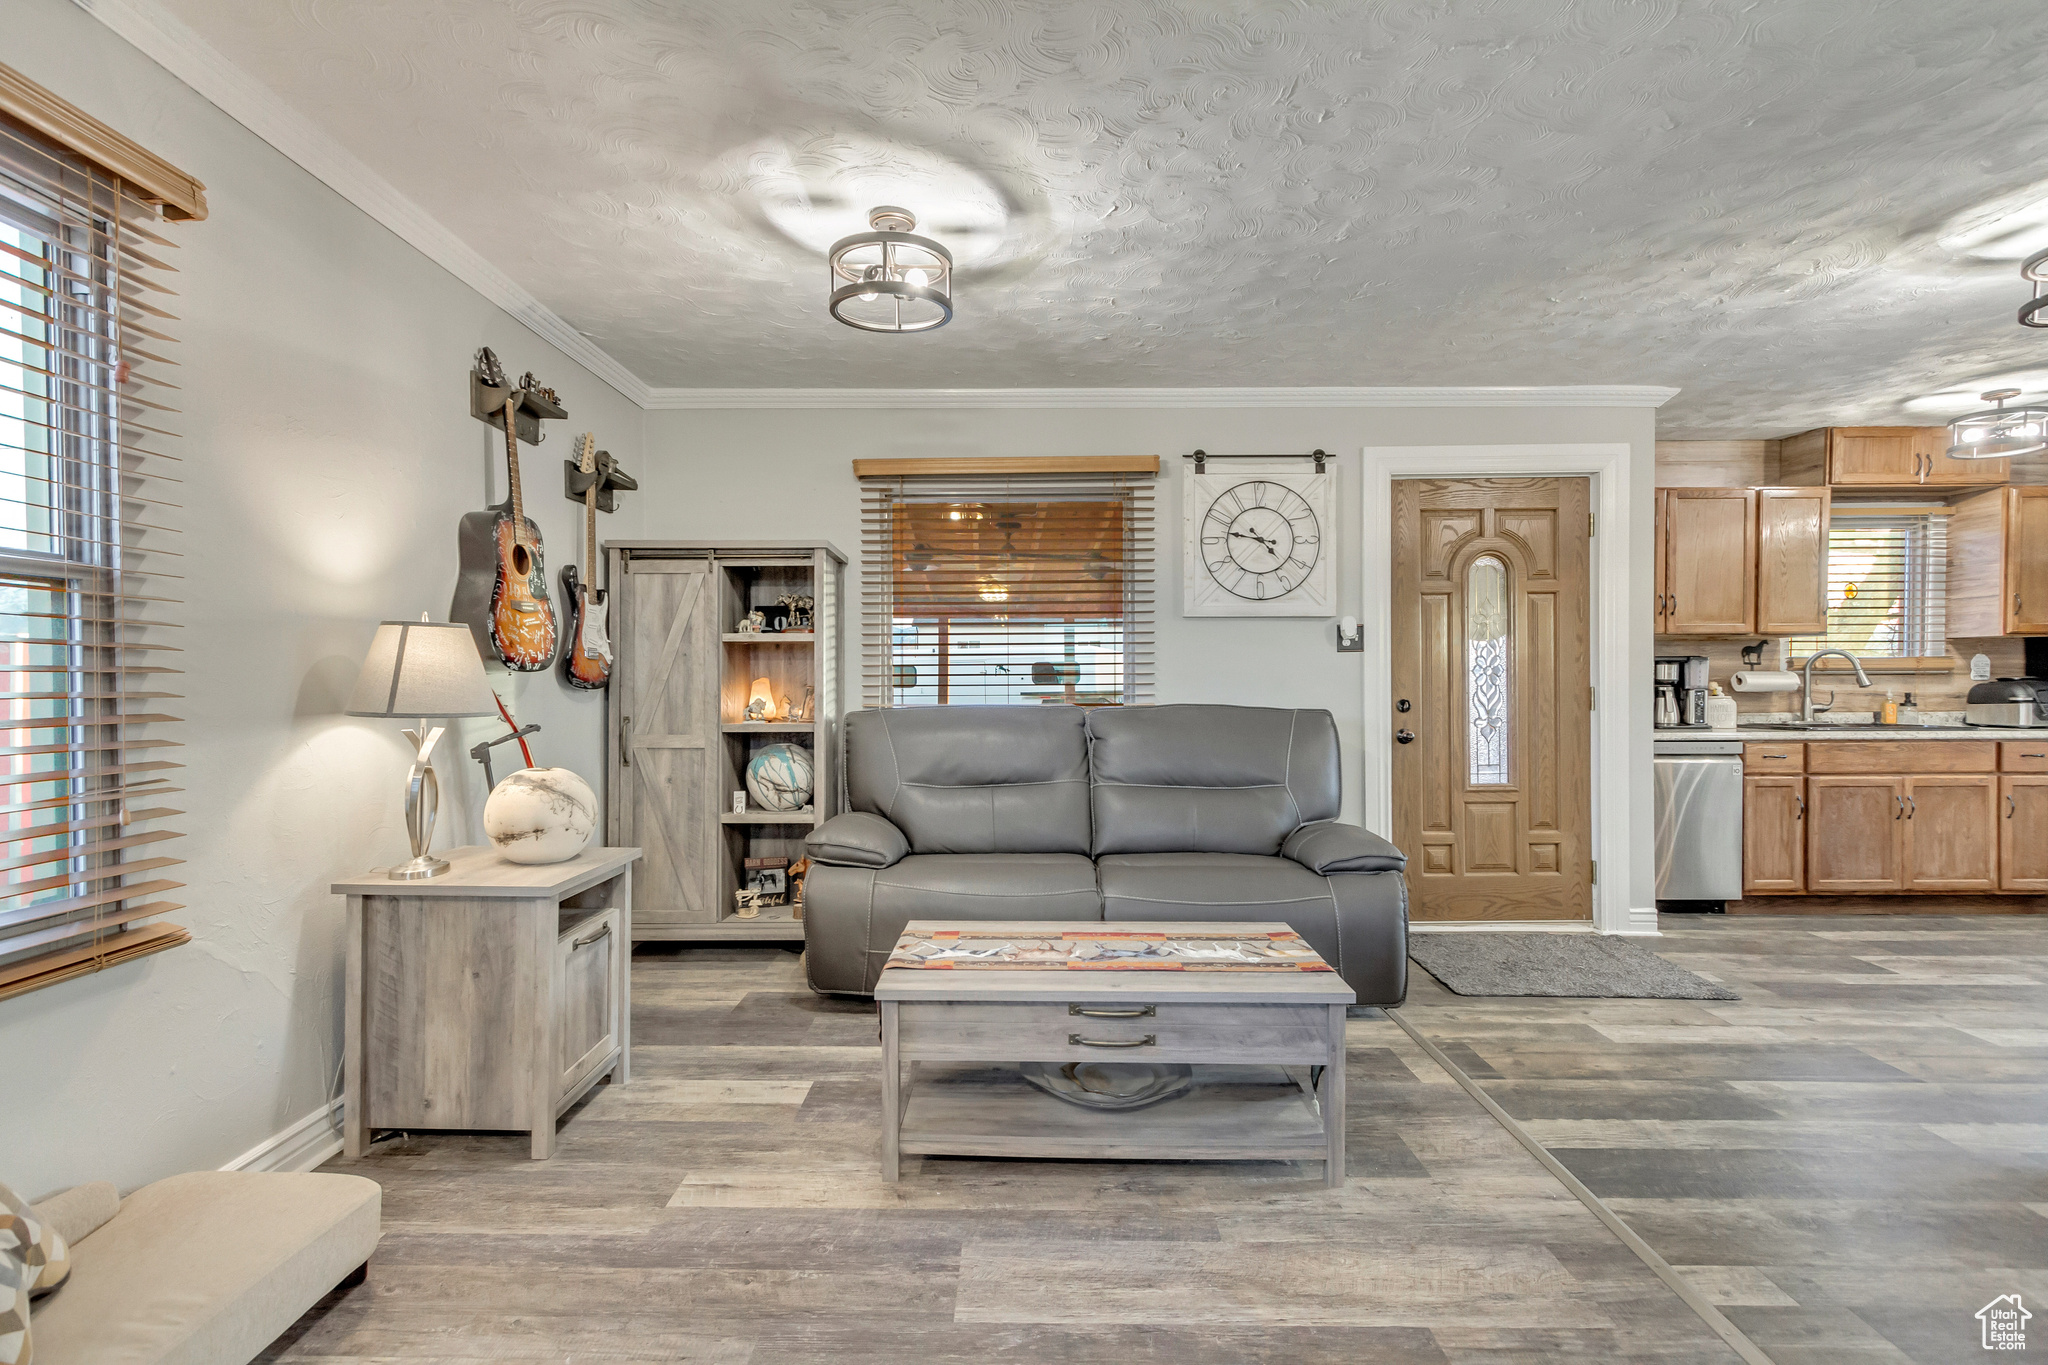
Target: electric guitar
column 501, row 546
column 587, row 661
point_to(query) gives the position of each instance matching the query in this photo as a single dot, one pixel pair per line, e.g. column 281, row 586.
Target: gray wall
column 789, row 474
column 329, row 453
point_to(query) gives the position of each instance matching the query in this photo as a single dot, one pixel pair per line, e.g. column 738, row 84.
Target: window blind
column 1007, row 589
column 1887, row 587
column 89, row 567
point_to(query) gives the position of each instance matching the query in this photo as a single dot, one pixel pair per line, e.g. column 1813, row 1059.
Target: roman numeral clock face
column 1256, row 547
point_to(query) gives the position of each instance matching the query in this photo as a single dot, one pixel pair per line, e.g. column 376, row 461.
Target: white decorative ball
column 541, row 815
column 780, row 777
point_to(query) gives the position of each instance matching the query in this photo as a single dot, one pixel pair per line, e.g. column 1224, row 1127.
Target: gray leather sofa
column 1126, row 814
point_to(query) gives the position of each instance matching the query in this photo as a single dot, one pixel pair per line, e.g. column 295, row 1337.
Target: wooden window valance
column 147, row 176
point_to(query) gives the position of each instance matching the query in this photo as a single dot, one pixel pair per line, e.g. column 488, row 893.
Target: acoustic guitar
column 499, row 546
column 587, row 660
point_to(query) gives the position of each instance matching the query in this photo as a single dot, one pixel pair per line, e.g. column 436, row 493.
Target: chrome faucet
column 1809, row 710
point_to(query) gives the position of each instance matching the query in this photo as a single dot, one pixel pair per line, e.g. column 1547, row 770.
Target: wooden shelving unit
column 681, row 602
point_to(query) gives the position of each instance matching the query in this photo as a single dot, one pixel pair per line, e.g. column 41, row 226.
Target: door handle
column 1076, row 1040
column 1404, row 706
column 1097, row 1012
column 1404, row 736
column 626, row 742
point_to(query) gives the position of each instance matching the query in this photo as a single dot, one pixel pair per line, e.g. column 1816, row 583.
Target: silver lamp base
column 418, row 869
column 422, row 800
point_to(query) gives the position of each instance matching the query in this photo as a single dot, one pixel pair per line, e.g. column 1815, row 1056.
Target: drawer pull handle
column 1777, row 755
column 2034, row 755
column 593, row 936
column 1098, row 1012
column 1076, row 1040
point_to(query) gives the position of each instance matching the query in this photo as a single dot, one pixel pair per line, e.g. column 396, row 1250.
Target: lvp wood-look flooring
column 1849, row 1160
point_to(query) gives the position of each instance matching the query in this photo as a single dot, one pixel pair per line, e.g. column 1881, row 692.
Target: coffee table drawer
column 1108, row 1032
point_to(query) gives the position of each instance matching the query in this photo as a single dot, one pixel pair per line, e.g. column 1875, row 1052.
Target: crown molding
column 1558, row 396
column 173, row 45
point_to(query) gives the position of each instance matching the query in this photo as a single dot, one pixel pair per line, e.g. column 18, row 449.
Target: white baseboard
column 1502, row 926
column 301, row 1147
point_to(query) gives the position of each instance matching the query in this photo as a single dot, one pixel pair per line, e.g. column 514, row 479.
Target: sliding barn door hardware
column 1202, row 458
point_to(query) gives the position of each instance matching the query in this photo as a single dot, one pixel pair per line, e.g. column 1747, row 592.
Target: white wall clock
column 1259, row 542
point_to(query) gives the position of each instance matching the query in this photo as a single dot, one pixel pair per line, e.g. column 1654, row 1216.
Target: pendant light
column 889, row 280
column 2034, row 270
column 1999, row 432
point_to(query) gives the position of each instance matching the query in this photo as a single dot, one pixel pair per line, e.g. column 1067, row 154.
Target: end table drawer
column 1094, row 1031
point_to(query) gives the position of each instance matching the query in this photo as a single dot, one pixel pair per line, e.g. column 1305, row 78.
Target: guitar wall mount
column 487, row 405
column 608, row 477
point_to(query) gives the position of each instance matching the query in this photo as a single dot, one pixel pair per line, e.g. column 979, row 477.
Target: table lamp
column 424, row 669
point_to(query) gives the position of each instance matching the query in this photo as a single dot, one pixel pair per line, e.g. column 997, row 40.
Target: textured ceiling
column 1777, row 206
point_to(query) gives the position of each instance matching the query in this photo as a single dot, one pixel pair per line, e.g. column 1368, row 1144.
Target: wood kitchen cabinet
column 1792, row 561
column 1773, row 835
column 1998, row 563
column 1951, row 832
column 1883, row 457
column 1855, row 834
column 2023, row 832
column 1706, row 560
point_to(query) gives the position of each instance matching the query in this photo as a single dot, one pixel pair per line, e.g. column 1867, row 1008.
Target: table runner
column 1105, row 950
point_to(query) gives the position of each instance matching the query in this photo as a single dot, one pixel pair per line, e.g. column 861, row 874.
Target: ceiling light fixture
column 2034, row 270
column 2000, row 431
column 888, row 280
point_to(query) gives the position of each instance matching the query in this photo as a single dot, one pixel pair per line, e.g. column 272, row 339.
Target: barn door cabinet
column 1998, row 563
column 678, row 738
column 1894, row 458
column 1862, row 817
column 1741, row 561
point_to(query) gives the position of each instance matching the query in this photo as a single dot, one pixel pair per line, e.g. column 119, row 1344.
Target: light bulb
column 917, row 277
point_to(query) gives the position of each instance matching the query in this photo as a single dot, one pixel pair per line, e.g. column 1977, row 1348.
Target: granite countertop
column 1763, row 731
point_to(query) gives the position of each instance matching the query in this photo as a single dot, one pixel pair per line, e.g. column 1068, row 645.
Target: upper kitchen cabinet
column 1740, row 561
column 1792, row 561
column 1882, row 457
column 1706, row 559
column 1998, row 562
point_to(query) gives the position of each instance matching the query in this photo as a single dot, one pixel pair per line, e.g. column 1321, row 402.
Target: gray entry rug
column 1587, row 965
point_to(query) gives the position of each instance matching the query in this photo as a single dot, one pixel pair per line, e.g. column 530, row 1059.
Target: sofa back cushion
column 1209, row 779
column 973, row 779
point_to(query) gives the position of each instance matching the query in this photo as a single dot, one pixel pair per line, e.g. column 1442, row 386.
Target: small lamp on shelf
column 426, row 670
column 760, row 701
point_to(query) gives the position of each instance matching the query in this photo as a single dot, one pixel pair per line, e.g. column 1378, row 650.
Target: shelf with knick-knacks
column 765, row 687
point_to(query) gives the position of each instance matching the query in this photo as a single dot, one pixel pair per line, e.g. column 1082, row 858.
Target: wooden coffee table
column 1251, row 1036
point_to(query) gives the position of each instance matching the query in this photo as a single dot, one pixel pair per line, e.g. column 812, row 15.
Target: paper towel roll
column 1763, row 680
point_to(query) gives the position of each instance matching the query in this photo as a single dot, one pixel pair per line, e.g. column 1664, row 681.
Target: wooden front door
column 1492, row 680
column 662, row 796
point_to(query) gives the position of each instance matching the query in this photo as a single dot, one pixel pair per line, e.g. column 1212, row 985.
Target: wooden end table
column 1252, row 1037
column 490, row 997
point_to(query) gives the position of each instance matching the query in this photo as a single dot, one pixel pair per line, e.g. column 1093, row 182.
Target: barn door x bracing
column 1492, row 753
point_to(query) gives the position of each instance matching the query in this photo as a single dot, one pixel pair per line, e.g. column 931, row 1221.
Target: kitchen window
column 1887, row 587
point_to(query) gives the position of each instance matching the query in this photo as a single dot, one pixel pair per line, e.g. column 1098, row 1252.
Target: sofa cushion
column 1209, row 779
column 79, row 1210
column 1225, row 888
column 208, row 1267
column 986, row 886
column 973, row 779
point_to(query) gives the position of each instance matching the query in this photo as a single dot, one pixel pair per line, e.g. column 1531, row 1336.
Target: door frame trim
column 1607, row 464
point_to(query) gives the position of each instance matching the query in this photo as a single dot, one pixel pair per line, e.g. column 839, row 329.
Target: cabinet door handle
column 1098, row 1012
column 601, row 931
column 2008, row 806
column 1899, row 803
column 1912, row 808
column 1802, row 807
column 1076, row 1040
column 626, row 742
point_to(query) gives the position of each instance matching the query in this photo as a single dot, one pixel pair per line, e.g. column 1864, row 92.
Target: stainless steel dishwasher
column 1699, row 822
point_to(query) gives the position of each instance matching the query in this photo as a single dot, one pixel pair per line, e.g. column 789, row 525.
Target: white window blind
column 1007, row 589
column 89, row 570
column 1887, row 587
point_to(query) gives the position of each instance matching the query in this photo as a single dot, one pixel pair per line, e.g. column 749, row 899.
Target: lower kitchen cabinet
column 1773, row 834
column 1855, row 834
column 1951, row 832
column 2023, row 833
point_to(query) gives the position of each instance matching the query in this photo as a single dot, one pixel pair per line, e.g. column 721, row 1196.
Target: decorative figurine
column 746, row 904
column 807, row 715
column 751, row 623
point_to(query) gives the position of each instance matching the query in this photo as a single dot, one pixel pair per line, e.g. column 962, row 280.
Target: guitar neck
column 512, row 461
column 590, row 537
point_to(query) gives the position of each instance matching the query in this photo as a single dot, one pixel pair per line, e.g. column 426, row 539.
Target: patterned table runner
column 1106, row 950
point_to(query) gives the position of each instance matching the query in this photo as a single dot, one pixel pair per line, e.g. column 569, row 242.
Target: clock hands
column 1271, row 545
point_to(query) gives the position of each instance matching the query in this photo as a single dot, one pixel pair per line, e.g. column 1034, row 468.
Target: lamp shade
column 421, row 669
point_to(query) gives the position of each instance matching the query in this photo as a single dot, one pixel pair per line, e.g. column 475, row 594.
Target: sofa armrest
column 1328, row 847
column 857, row 839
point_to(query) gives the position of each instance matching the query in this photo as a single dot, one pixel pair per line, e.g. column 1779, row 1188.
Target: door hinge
column 1592, row 698
column 1594, row 863
column 1592, row 523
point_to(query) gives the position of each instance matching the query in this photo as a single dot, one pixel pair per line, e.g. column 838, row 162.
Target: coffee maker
column 1681, row 691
